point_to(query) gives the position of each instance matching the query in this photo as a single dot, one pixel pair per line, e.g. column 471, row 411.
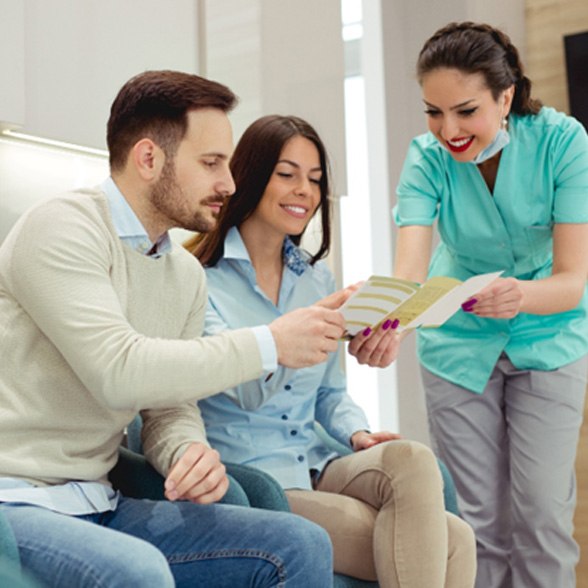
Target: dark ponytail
column 480, row 48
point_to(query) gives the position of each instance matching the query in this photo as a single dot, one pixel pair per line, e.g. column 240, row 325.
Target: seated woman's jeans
column 162, row 544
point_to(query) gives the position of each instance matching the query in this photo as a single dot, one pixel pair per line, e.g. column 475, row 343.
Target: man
column 101, row 317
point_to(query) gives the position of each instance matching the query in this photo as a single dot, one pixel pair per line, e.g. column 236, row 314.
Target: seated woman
column 382, row 505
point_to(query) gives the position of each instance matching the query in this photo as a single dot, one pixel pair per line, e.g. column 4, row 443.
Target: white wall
column 62, row 64
column 282, row 57
column 77, row 53
column 30, row 173
column 12, row 95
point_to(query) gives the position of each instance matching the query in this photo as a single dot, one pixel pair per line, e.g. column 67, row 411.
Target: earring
column 504, row 123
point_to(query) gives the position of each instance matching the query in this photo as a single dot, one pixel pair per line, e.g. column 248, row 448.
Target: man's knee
column 149, row 571
column 309, row 535
column 310, row 552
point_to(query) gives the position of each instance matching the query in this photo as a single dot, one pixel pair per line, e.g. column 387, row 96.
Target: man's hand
column 377, row 348
column 198, row 476
column 305, row 337
column 335, row 300
column 364, row 440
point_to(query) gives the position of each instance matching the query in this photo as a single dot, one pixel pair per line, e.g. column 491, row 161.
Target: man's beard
column 170, row 200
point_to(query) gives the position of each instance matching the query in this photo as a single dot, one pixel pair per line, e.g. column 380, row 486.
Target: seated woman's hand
column 364, row 440
column 376, row 348
column 500, row 299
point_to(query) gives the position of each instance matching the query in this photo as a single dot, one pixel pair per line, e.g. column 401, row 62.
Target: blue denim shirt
column 269, row 423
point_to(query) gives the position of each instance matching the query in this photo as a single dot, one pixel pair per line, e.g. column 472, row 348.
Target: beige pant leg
column 349, row 523
column 461, row 562
column 401, row 481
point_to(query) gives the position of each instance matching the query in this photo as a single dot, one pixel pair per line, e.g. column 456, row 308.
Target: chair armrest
column 11, row 573
column 8, row 548
column 343, row 581
column 11, row 576
column 135, row 477
column 449, row 491
column 330, row 442
column 262, row 490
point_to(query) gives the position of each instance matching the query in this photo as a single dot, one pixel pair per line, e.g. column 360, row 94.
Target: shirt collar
column 234, row 246
column 294, row 259
column 128, row 226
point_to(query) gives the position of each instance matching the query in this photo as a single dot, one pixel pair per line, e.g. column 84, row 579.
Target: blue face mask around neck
column 501, row 140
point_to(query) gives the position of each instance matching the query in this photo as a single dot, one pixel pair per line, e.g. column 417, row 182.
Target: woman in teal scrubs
column 505, row 379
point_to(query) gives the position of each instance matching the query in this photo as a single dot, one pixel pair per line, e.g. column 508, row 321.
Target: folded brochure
column 414, row 305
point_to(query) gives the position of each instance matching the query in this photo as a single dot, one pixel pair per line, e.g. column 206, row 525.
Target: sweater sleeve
column 60, row 273
column 168, row 432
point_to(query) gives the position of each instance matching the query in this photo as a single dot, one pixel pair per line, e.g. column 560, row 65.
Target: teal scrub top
column 542, row 179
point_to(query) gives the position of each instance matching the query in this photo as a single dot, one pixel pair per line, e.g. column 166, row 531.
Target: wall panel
column 547, row 21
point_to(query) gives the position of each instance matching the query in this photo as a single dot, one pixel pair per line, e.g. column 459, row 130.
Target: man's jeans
column 158, row 544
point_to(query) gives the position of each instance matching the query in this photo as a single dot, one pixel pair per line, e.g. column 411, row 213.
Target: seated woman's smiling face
column 292, row 194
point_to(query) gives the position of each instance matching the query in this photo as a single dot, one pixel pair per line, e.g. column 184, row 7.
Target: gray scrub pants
column 511, row 451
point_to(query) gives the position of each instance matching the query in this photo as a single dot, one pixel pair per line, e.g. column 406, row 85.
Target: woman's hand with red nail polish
column 379, row 348
column 468, row 305
column 500, row 299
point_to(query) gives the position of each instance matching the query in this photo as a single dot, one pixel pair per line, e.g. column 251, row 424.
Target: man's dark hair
column 154, row 104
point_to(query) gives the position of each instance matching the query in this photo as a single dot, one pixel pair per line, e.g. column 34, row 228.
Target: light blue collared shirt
column 73, row 498
column 76, row 497
column 269, row 424
column 128, row 226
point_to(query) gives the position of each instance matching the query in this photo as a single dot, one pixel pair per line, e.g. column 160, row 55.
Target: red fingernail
column 395, row 323
column 367, row 331
column 387, row 324
column 468, row 304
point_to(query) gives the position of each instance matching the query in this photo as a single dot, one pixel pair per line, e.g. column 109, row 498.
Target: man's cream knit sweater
column 91, row 332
